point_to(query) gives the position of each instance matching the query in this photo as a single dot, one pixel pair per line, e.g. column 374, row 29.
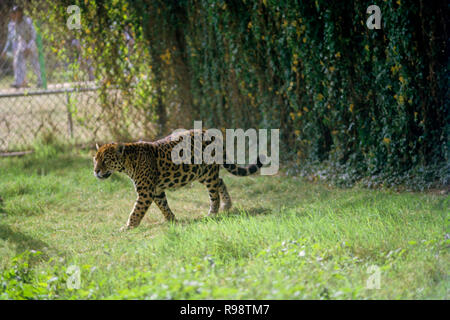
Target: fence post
column 69, row 115
column 41, row 55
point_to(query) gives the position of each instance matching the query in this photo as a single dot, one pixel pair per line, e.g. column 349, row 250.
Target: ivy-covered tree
column 367, row 102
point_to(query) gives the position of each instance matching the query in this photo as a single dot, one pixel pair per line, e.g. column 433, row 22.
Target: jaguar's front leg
column 143, row 202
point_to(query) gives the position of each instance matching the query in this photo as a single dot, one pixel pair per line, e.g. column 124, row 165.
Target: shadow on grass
column 24, row 242
column 232, row 213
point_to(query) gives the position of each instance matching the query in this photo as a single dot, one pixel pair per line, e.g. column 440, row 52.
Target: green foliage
column 101, row 49
column 21, row 282
column 373, row 103
column 370, row 101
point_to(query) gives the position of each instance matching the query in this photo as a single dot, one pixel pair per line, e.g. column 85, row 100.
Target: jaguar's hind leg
column 225, row 199
column 212, row 184
column 161, row 202
column 214, row 199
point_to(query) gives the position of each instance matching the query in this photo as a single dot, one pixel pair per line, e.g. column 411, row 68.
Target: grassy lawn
column 284, row 239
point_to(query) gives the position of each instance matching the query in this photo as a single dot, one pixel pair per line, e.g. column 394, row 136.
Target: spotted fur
column 149, row 165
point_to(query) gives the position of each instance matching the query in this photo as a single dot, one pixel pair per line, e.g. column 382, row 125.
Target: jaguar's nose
column 102, row 176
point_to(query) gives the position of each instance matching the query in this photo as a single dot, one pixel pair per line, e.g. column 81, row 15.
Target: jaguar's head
column 109, row 158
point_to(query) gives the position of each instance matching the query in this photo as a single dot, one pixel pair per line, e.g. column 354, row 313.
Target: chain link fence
column 43, row 92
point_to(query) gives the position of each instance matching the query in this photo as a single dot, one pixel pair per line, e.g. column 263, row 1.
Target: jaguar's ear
column 120, row 149
column 97, row 146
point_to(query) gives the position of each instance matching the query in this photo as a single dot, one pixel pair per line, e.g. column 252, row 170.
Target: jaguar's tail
column 244, row 171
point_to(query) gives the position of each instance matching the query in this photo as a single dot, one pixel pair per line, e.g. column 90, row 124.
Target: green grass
column 284, row 239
